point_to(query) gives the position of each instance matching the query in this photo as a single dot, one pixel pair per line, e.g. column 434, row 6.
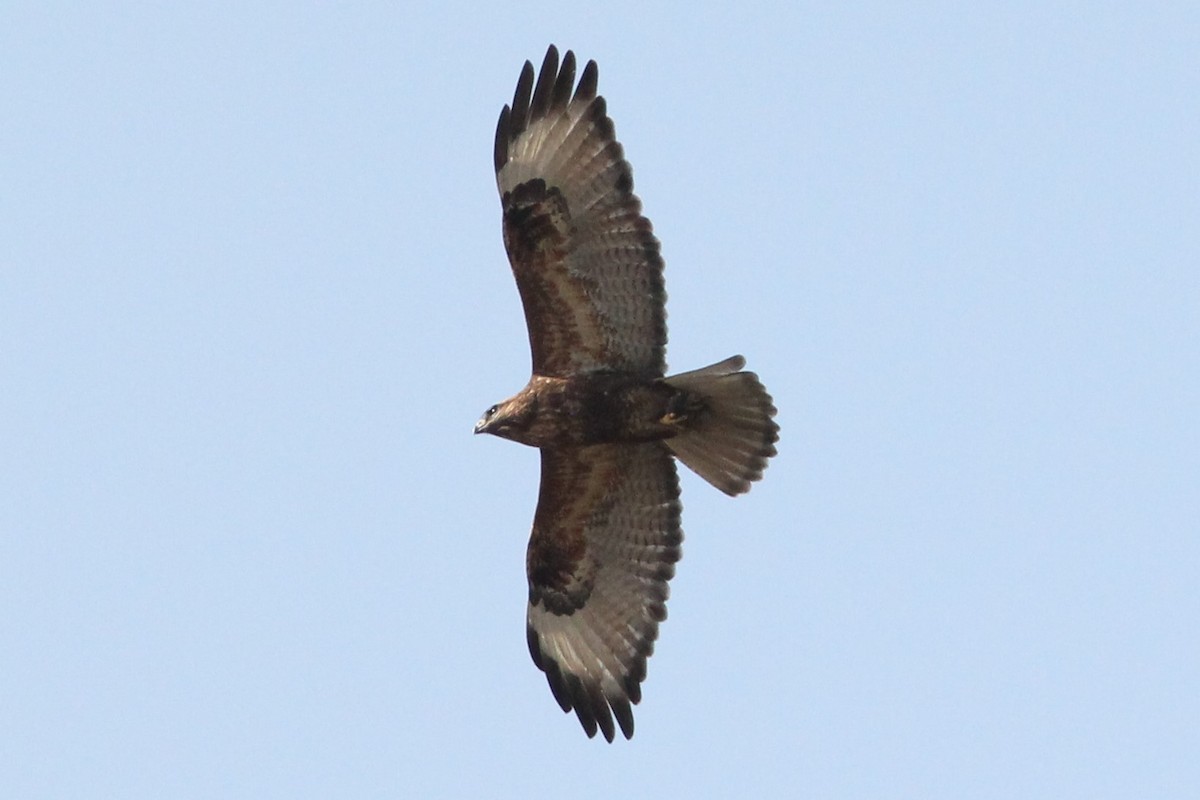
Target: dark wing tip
column 598, row 710
column 519, row 118
column 624, row 714
column 589, row 82
column 558, row 685
column 535, row 648
column 633, row 683
column 532, row 101
column 595, row 710
column 546, row 81
column 584, row 709
column 500, row 155
column 565, row 82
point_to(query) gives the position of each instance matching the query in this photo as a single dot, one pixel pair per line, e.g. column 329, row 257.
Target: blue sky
column 253, row 297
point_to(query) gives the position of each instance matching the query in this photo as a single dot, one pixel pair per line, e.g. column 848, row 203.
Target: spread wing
column 605, row 540
column 586, row 262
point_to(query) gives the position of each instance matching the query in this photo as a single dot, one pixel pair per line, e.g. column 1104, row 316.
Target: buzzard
column 599, row 406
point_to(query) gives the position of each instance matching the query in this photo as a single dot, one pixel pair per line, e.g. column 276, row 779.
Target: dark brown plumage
column 609, row 423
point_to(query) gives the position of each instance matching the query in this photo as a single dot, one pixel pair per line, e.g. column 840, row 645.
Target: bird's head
column 509, row 419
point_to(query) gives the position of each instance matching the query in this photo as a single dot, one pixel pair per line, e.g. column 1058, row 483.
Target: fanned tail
column 728, row 441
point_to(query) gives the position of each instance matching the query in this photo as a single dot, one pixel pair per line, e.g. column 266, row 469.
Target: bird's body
column 599, row 406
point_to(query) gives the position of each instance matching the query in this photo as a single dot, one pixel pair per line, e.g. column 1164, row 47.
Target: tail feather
column 730, row 439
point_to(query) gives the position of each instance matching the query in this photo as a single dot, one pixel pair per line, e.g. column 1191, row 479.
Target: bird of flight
column 608, row 421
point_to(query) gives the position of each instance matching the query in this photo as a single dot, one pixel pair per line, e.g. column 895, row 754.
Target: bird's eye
column 491, row 412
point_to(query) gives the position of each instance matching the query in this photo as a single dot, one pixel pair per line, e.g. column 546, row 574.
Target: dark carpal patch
column 536, row 219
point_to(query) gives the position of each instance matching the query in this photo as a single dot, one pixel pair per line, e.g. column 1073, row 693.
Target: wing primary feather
column 566, row 80
column 600, row 710
column 624, row 714
column 520, row 107
column 544, row 91
column 581, row 701
column 535, row 647
column 588, row 82
column 633, row 684
column 502, row 138
column 558, row 685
